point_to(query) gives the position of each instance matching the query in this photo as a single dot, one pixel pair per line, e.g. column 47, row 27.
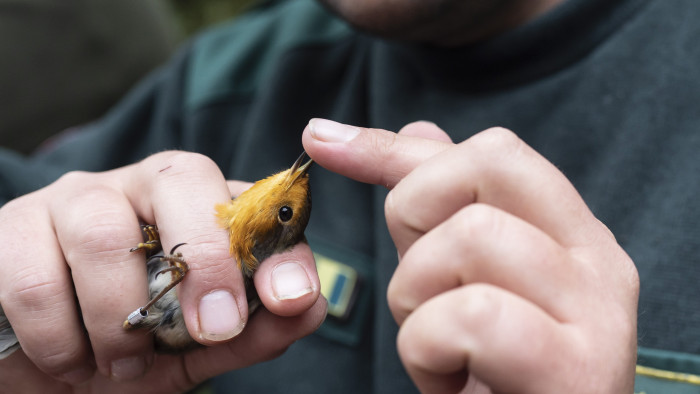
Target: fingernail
column 329, row 131
column 78, row 375
column 219, row 317
column 128, row 368
column 290, row 281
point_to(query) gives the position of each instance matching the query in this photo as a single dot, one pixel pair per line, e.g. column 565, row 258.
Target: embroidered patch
column 346, row 282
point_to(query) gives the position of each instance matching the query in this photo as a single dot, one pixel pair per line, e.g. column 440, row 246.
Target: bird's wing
column 8, row 339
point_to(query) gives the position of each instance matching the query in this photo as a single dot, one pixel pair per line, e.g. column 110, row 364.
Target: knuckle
column 415, row 343
column 398, row 302
column 391, row 210
column 476, row 221
column 101, row 231
column 80, row 189
column 73, row 179
column 499, row 141
column 411, row 355
column 37, row 295
column 181, row 162
column 497, row 136
column 14, row 205
column 59, row 358
column 101, row 237
column 212, row 270
column 168, row 170
column 480, row 303
column 24, row 209
column 209, row 260
column 195, row 161
column 400, row 215
column 160, row 158
column 34, row 288
column 18, row 208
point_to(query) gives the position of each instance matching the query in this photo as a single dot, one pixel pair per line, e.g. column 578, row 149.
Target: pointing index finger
column 493, row 167
column 357, row 152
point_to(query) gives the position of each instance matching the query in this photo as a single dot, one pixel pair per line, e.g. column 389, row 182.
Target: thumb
column 374, row 156
column 267, row 336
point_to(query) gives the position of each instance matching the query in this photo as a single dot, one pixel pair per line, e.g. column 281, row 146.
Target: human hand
column 506, row 280
column 70, row 242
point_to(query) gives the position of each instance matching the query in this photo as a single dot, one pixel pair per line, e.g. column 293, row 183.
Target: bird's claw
column 178, row 268
column 152, row 244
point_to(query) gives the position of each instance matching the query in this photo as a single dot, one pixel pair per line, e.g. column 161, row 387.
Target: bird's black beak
column 299, row 169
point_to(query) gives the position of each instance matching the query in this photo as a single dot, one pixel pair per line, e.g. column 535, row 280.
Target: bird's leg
column 178, row 268
column 152, row 244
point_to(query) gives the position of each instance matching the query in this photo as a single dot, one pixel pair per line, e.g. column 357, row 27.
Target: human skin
column 438, row 22
column 506, row 280
column 69, row 242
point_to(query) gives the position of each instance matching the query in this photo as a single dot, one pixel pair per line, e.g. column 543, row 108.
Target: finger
column 18, row 374
column 178, row 192
column 482, row 244
column 484, row 330
column 96, row 227
column 495, row 168
column 372, row 156
column 424, row 129
column 37, row 293
column 238, row 187
column 267, row 337
column 287, row 282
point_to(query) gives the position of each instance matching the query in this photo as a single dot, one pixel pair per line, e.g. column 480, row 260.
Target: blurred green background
column 66, row 63
column 193, row 15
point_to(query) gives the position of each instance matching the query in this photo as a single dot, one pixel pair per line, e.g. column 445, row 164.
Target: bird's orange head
column 269, row 217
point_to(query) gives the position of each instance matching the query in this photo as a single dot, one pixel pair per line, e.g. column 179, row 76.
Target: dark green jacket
column 606, row 90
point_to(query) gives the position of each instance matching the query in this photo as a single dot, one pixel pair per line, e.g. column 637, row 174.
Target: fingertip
column 129, row 368
column 267, row 337
column 370, row 155
column 212, row 295
column 288, row 283
column 220, row 316
column 325, row 130
column 318, row 143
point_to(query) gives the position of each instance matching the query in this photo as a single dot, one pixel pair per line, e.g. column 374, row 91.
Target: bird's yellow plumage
column 254, row 219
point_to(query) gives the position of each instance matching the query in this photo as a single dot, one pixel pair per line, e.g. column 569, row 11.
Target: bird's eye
column 285, row 213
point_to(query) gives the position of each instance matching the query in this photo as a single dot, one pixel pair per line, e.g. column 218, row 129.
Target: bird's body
column 268, row 218
column 165, row 316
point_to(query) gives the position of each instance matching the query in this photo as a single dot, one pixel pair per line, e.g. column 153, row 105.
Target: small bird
column 268, row 218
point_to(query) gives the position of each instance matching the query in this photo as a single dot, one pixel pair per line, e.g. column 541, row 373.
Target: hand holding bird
column 85, row 224
column 268, row 218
